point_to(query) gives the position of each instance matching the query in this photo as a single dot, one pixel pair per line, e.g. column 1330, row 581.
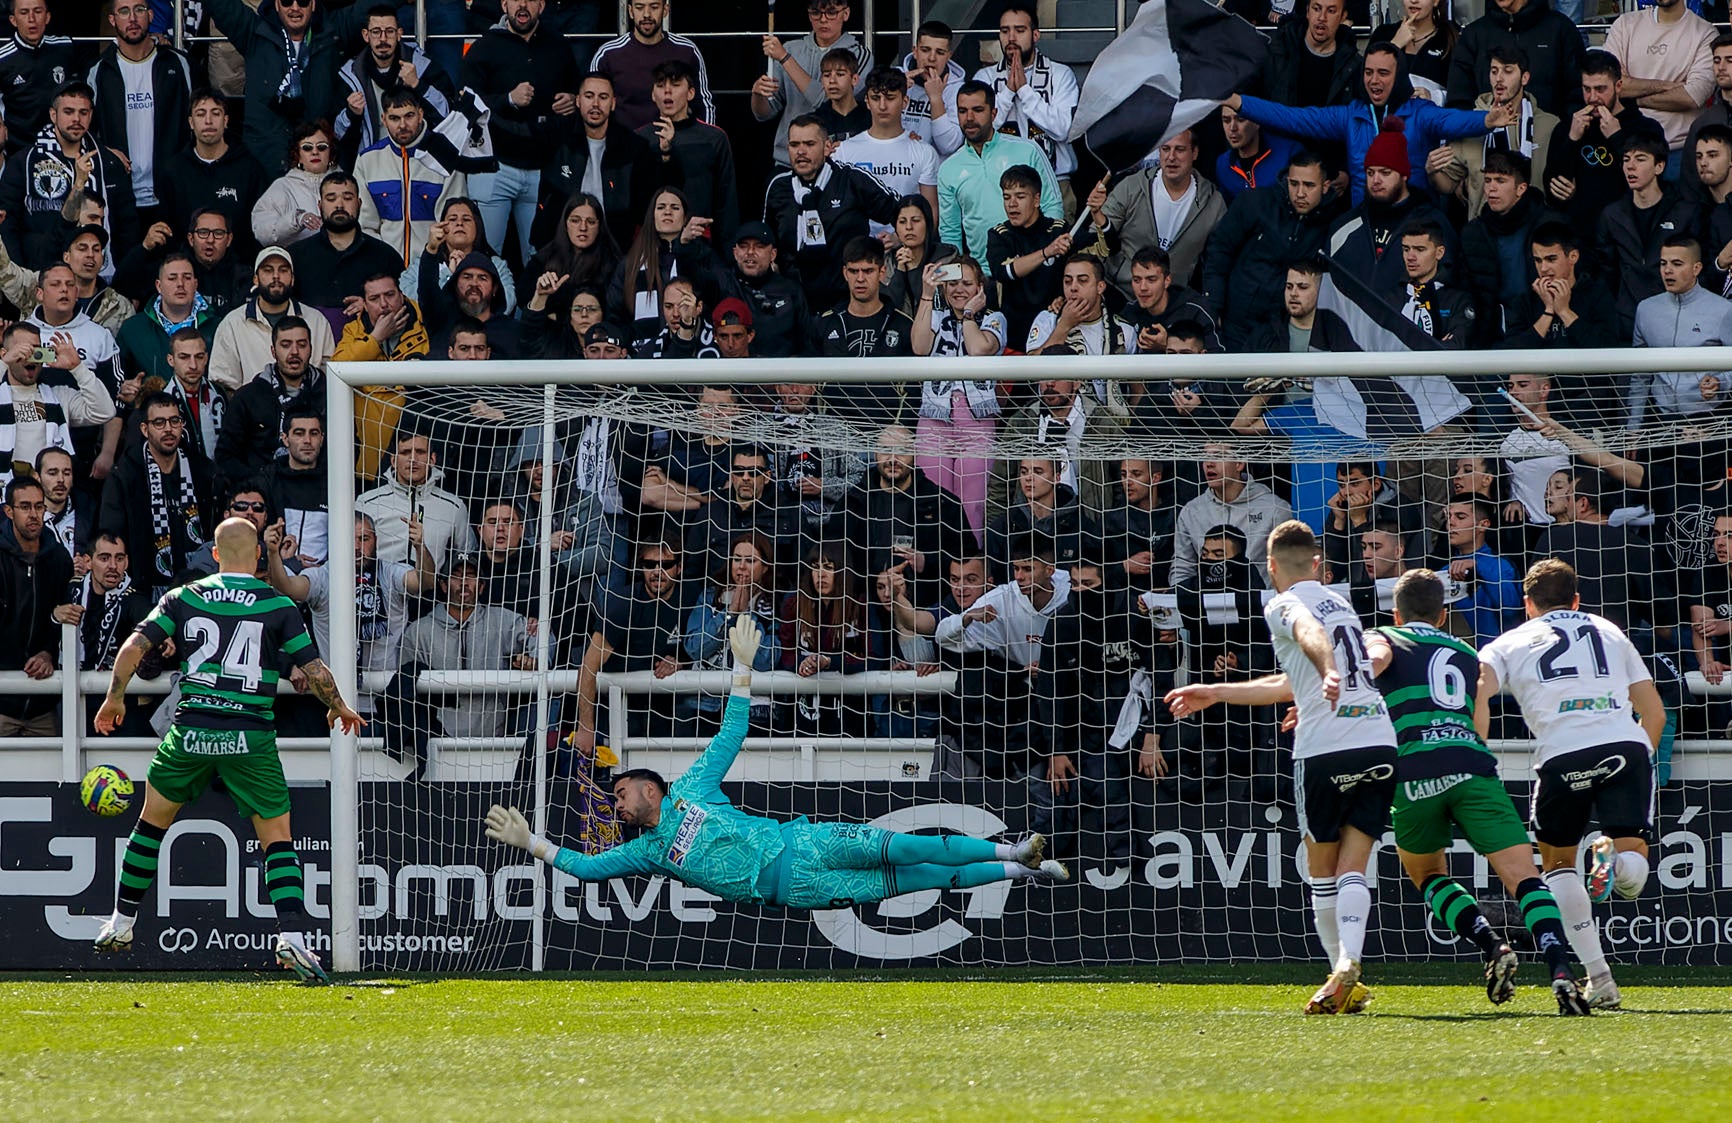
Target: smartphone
column 901, row 542
column 42, row 355
column 950, row 272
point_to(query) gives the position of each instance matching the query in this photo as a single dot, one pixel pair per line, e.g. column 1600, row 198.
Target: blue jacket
column 1356, row 126
column 1497, row 597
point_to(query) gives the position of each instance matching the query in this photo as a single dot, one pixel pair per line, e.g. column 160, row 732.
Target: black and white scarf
column 49, row 174
column 809, row 224
column 63, row 526
column 372, row 617
column 1500, row 140
column 166, row 517
column 53, row 415
column 98, row 638
column 203, row 412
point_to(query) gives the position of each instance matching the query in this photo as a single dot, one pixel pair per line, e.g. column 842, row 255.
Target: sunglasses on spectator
column 248, row 505
column 659, row 563
column 319, row 147
column 296, row 3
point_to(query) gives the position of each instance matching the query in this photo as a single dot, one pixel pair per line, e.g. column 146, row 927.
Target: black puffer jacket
column 1287, row 47
column 1554, row 51
column 29, row 590
column 1245, row 266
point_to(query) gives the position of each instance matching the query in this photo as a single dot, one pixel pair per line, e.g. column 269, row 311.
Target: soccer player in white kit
column 1343, row 749
column 1596, row 719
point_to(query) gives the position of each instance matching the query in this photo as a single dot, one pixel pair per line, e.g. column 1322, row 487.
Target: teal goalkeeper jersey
column 702, row 839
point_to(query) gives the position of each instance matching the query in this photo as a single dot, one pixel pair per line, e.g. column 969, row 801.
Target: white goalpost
column 1211, row 868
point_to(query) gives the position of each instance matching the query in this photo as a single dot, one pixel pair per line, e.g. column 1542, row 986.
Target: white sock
column 1016, row 871
column 1578, row 913
column 1629, row 874
column 121, row 921
column 1353, row 916
column 1005, row 852
column 1323, row 916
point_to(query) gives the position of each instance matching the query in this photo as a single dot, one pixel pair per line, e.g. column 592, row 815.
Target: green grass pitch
column 1001, row 1046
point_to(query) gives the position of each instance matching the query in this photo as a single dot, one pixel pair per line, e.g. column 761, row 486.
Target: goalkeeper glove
column 510, row 827
column 744, row 638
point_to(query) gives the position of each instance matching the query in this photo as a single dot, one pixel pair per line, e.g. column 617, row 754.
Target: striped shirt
column 1429, row 687
column 231, row 633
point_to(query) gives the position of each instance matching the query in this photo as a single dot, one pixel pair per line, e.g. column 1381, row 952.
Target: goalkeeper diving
column 691, row 832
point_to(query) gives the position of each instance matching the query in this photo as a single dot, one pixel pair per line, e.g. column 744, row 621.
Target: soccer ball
column 107, row 791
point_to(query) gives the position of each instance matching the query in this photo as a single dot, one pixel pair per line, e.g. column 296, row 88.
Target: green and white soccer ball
column 107, row 791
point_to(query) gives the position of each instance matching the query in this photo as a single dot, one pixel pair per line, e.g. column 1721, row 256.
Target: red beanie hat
column 1389, row 149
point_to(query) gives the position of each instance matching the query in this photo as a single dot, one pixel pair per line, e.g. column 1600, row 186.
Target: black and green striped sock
column 1459, row 912
column 138, row 867
column 1540, row 914
column 283, row 879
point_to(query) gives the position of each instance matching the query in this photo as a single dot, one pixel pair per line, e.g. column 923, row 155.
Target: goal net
column 545, row 571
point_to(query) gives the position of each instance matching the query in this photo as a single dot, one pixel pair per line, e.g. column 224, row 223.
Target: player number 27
column 1561, row 643
column 242, row 659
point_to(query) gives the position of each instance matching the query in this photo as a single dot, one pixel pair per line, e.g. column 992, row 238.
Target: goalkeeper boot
column 1602, row 857
column 1051, row 870
column 1571, row 1002
column 116, row 934
column 1500, row 972
column 1602, row 995
column 1336, row 993
column 293, row 954
column 1031, row 851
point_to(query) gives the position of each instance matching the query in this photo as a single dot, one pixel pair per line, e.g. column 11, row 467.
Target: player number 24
column 241, row 661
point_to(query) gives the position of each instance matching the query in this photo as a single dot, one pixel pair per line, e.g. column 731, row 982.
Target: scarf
column 107, row 625
column 203, row 411
column 809, row 225
column 53, row 416
column 1498, row 140
column 64, row 526
column 199, row 307
column 167, row 517
column 1421, row 306
column 48, row 174
column 371, row 616
column 289, row 90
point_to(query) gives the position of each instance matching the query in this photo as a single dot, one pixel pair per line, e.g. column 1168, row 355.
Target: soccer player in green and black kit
column 228, row 630
column 1446, row 779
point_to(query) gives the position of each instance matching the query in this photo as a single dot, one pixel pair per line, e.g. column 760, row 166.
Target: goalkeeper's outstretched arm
column 507, row 825
column 704, row 778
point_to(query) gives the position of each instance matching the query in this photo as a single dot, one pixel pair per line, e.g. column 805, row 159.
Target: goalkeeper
column 691, row 832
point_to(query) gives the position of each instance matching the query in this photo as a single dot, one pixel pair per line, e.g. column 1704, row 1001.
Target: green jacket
column 144, row 341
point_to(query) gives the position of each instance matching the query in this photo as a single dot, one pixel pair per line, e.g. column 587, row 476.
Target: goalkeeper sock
column 944, row 850
column 284, row 882
column 1460, row 913
column 1323, row 915
column 138, row 867
column 1629, row 874
column 928, row 875
column 1540, row 914
column 1352, row 916
column 1578, row 917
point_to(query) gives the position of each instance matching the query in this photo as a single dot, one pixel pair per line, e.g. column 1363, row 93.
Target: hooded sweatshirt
column 444, row 517
column 1256, row 512
column 1018, row 629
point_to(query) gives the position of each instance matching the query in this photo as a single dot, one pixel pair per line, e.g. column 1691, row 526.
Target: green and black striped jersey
column 231, row 633
column 1429, row 687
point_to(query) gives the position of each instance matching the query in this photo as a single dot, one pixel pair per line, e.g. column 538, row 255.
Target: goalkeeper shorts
column 831, row 866
column 246, row 759
column 1428, row 812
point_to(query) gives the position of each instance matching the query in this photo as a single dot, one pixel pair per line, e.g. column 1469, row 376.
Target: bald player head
column 237, row 547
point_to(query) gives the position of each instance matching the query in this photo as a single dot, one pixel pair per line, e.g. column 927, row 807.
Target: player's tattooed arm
column 126, row 662
column 113, row 709
column 322, row 685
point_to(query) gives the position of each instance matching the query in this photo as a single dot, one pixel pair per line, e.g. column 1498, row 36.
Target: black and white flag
column 1175, row 63
column 1379, row 408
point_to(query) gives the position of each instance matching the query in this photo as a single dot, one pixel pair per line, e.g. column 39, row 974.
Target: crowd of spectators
column 178, row 265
